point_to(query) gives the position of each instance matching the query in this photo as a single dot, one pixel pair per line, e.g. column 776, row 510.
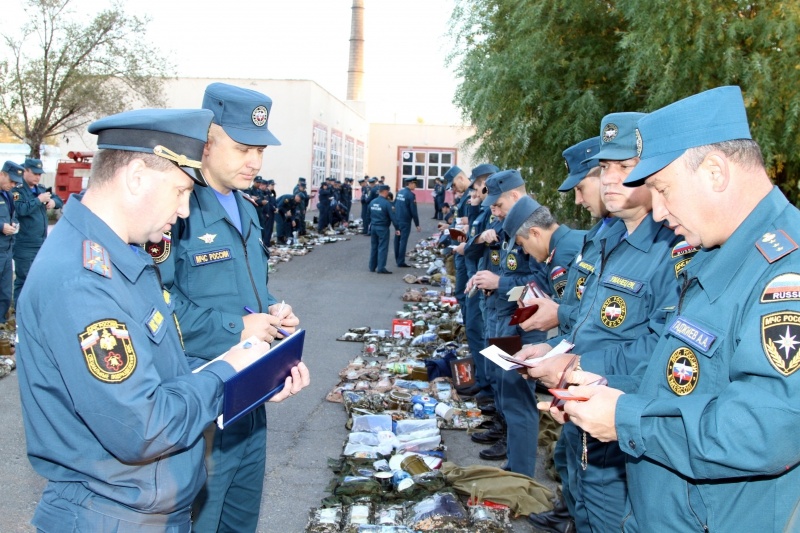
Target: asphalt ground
column 330, row 290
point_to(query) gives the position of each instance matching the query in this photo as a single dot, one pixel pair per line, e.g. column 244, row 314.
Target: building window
column 320, row 154
column 336, row 155
column 426, row 164
column 349, row 157
column 359, row 169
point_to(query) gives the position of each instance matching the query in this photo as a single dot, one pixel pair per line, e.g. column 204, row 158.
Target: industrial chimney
column 355, row 71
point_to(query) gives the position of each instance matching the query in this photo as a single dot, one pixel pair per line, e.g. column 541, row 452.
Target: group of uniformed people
column 382, row 212
column 681, row 304
column 150, row 275
column 24, row 205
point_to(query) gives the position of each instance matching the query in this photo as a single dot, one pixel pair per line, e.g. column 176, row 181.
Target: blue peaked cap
column 710, row 117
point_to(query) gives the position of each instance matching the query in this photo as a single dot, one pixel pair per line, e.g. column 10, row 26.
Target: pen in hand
column 280, row 330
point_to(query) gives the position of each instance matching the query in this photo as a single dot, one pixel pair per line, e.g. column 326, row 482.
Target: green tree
column 60, row 73
column 538, row 75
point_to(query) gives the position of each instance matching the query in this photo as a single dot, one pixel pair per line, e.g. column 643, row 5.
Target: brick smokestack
column 355, row 71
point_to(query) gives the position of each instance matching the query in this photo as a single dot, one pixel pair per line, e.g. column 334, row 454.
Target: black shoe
column 371, row 270
column 556, row 521
column 384, row 271
column 404, row 266
column 488, row 409
column 488, row 437
column 496, row 453
column 468, row 392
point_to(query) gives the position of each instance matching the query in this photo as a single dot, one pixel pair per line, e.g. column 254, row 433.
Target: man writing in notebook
column 216, row 272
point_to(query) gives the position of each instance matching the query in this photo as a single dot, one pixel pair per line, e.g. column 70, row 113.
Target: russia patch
column 783, row 288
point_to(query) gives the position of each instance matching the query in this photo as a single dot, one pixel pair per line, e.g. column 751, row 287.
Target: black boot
column 497, row 452
column 492, row 435
column 556, row 521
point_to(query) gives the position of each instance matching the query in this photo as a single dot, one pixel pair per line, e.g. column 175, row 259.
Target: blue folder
column 263, row 379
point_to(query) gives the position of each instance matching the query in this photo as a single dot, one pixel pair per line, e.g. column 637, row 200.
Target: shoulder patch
column 108, row 350
column 15, row 196
column 95, row 258
column 160, row 250
column 783, row 288
column 680, row 265
column 682, row 248
column 773, row 246
column 683, row 371
column 779, row 338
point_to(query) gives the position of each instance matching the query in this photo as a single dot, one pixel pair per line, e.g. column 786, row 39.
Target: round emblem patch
column 260, row 115
column 638, row 143
column 580, row 285
column 495, row 257
column 511, row 261
column 779, row 337
column 108, row 350
column 159, row 251
column 613, row 311
column 683, row 371
column 610, row 132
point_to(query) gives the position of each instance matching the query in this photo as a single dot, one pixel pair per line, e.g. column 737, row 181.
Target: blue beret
column 242, row 113
column 14, row 171
column 34, row 165
column 578, row 164
column 617, row 137
column 501, row 182
column 482, row 170
column 175, row 134
column 450, row 175
column 519, row 213
column 710, row 117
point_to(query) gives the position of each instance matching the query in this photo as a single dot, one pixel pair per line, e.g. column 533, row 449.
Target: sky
column 406, row 79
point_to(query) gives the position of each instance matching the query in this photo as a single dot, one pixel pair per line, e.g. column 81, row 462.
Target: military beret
column 242, row 113
column 518, row 214
column 617, row 137
column 501, row 182
column 709, row 117
column 577, row 158
column 34, row 165
column 14, row 171
column 179, row 135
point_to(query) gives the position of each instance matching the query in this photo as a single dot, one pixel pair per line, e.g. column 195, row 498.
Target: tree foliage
column 60, row 73
column 538, row 75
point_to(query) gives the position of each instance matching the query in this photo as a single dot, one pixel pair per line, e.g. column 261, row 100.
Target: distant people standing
column 438, row 198
column 10, row 177
column 31, row 205
column 372, row 189
column 269, row 212
column 405, row 208
column 302, row 207
column 382, row 216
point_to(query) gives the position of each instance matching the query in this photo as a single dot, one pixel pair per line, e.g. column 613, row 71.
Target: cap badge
column 208, row 238
column 638, row 143
column 610, row 132
column 260, row 115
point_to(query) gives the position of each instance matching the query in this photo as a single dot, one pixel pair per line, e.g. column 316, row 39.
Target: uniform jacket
column 108, row 398
column 381, row 212
column 565, row 243
column 405, row 206
column 713, row 432
column 32, row 216
column 8, row 215
column 213, row 271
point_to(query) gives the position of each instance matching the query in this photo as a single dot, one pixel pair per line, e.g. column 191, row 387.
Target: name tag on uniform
column 623, row 283
column 693, row 334
column 214, row 256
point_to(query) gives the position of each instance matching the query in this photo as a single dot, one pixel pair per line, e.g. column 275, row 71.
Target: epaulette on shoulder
column 96, row 259
column 774, row 245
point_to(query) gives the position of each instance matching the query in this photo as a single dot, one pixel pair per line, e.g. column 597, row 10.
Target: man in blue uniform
column 10, row 177
column 285, row 210
column 217, row 274
column 302, row 206
column 709, row 432
column 31, row 205
column 382, row 215
column 405, row 210
column 621, row 314
column 113, row 414
column 268, row 211
column 365, row 190
column 438, row 198
column 457, row 180
column 347, row 198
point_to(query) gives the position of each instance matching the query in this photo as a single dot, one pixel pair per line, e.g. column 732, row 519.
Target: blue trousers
column 365, row 216
column 518, row 405
column 600, row 491
column 401, row 244
column 236, row 460
column 23, row 259
column 379, row 249
column 6, row 285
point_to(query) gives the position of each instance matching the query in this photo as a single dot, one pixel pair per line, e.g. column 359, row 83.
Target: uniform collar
column 645, row 234
column 557, row 235
column 212, row 211
column 126, row 261
column 726, row 260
